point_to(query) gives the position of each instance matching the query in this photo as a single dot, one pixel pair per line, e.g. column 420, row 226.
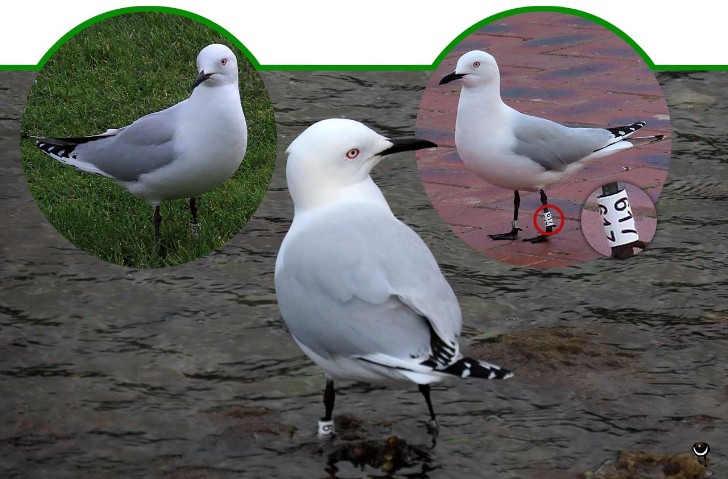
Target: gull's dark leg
column 194, row 224
column 432, row 424
column 513, row 233
column 326, row 423
column 193, row 209
column 542, row 237
column 329, row 397
column 157, row 222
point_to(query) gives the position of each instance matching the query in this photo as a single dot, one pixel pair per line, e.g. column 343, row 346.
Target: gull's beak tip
column 407, row 144
column 201, row 77
column 451, row 77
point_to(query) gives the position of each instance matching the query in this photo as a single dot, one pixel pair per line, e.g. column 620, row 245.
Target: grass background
column 107, row 76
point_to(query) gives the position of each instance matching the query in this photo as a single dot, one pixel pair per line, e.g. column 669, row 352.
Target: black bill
column 200, row 78
column 407, row 144
column 451, row 77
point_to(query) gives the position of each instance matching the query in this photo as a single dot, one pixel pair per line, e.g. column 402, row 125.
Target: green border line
column 302, row 67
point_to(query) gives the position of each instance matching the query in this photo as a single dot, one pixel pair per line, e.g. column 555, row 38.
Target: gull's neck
column 309, row 197
column 207, row 92
column 219, row 104
column 481, row 106
column 486, row 95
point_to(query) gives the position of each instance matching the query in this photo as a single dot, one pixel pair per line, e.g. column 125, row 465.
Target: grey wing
column 363, row 285
column 555, row 146
column 142, row 147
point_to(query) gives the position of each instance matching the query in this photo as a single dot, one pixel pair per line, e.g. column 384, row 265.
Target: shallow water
column 190, row 372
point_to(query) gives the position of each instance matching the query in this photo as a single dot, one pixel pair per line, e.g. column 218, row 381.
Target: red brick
column 554, row 263
column 519, row 259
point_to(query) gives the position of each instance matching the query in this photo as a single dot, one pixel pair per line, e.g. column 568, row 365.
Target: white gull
column 359, row 290
column 181, row 152
column 513, row 150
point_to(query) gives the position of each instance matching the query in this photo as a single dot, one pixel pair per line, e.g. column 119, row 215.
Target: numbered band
column 617, row 218
column 548, row 219
column 325, row 428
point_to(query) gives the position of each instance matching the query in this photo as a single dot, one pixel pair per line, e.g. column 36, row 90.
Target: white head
column 216, row 65
column 332, row 155
column 474, row 69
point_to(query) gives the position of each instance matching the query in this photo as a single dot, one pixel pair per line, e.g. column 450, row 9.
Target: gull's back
column 144, row 146
column 555, row 146
column 378, row 291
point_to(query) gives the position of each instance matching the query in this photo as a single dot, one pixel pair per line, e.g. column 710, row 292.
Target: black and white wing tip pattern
column 442, row 353
column 623, row 131
column 473, row 368
column 443, row 359
column 60, row 150
column 65, row 148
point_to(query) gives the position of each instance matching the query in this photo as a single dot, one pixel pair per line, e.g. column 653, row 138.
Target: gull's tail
column 644, row 140
column 473, row 368
column 623, row 133
column 444, row 360
column 64, row 149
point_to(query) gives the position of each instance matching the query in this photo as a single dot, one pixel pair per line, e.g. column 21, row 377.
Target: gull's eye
column 353, row 153
column 224, row 61
column 476, row 64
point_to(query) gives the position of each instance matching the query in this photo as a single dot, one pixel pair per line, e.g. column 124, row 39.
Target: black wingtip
column 473, row 368
column 626, row 130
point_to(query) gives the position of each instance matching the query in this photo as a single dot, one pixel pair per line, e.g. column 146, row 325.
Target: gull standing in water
column 359, row 290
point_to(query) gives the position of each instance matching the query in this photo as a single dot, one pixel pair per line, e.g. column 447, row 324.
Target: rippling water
column 189, row 371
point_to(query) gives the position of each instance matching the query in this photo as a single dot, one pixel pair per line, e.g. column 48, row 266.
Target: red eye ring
column 224, row 61
column 353, row 153
column 476, row 64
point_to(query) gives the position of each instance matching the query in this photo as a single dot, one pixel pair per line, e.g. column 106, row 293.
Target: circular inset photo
column 533, row 112
column 619, row 220
column 149, row 139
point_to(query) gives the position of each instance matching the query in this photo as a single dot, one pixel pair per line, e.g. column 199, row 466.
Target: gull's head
column 474, row 69
column 216, row 65
column 332, row 155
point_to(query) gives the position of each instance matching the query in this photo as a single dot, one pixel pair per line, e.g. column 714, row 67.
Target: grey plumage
column 123, row 154
column 555, row 146
column 350, row 310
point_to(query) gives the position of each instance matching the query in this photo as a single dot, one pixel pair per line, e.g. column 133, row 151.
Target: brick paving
column 566, row 69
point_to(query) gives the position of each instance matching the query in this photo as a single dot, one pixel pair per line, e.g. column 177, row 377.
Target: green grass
column 107, row 76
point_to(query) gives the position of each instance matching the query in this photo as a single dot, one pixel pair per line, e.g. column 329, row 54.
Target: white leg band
column 325, row 428
column 617, row 218
column 548, row 219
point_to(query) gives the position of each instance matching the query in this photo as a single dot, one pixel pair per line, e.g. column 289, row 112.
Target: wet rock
column 348, row 423
column 547, row 351
column 248, row 421
column 197, row 473
column 649, row 465
column 388, row 457
column 350, row 428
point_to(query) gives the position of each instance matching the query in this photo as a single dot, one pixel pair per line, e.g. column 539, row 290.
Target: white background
column 375, row 32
